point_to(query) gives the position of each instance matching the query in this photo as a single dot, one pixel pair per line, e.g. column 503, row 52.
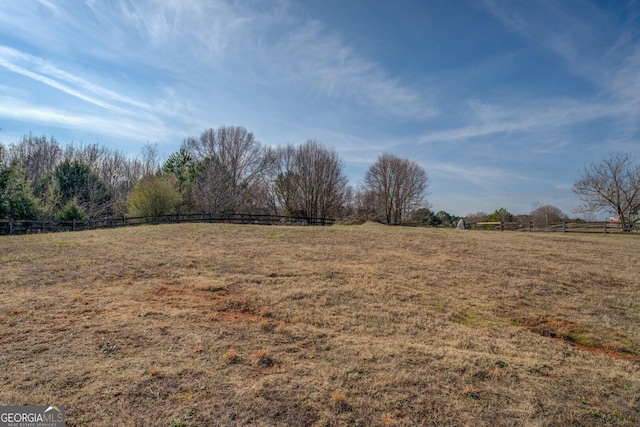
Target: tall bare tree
column 120, row 174
column 613, row 186
column 396, row 186
column 213, row 187
column 309, row 181
column 243, row 157
column 285, row 182
column 322, row 186
column 150, row 160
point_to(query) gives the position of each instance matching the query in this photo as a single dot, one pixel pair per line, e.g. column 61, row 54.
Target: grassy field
column 195, row 325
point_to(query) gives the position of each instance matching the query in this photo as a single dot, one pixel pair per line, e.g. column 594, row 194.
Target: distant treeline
column 227, row 170
column 221, row 170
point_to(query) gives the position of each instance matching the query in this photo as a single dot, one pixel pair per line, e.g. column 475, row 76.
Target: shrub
column 71, row 211
column 153, row 196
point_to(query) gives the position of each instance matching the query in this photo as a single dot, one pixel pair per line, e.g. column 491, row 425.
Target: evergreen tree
column 500, row 215
column 16, row 199
column 75, row 181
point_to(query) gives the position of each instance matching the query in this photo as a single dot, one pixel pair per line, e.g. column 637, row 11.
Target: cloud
column 568, row 32
column 102, row 111
column 483, row 177
column 316, row 56
column 625, row 85
column 50, row 6
column 7, row 60
column 95, row 124
column 608, row 58
column 268, row 40
column 543, row 116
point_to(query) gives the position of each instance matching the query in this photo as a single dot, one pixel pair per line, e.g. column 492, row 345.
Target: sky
column 503, row 103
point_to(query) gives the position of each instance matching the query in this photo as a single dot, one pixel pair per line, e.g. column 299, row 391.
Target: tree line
column 227, row 170
column 224, row 170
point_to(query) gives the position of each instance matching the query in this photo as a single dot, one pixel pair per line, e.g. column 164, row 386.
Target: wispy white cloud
column 563, row 186
column 545, row 116
column 483, row 177
column 106, row 111
column 625, row 86
column 50, row 6
column 89, row 123
column 316, row 56
column 271, row 41
column 595, row 47
column 556, row 27
column 8, row 54
column 87, row 86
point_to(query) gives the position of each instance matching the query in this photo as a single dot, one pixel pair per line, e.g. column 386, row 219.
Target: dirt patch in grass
column 584, row 337
column 344, row 325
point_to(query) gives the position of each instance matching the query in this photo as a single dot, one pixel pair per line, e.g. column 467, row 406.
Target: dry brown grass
column 347, row 325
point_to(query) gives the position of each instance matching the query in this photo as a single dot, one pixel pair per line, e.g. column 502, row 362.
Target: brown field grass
column 196, row 325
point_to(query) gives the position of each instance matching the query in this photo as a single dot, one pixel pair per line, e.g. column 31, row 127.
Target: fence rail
column 602, row 227
column 20, row 226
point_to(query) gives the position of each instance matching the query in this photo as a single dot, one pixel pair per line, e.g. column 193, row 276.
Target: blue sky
column 501, row 102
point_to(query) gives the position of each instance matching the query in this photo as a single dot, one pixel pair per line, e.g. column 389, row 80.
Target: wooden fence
column 603, row 227
column 20, row 226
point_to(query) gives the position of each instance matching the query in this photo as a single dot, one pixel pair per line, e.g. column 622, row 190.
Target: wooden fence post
column 10, row 226
column 564, row 226
column 530, row 226
column 501, row 225
column 73, row 227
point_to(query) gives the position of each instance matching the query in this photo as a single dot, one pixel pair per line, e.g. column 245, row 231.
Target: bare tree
column 397, row 187
column 475, row 217
column 309, row 182
column 262, row 194
column 285, row 182
column 613, row 186
column 243, row 157
column 89, row 154
column 322, row 187
column 213, row 187
column 361, row 205
column 120, row 174
column 150, row 160
column 547, row 214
